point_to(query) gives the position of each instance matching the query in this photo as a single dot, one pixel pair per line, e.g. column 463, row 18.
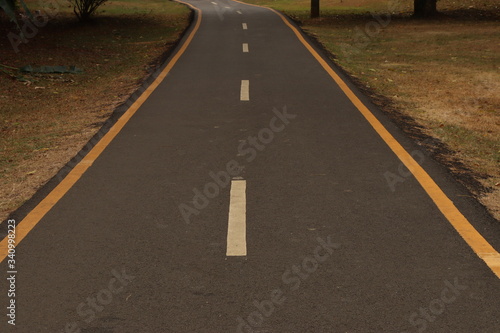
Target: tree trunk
column 314, row 8
column 424, row 8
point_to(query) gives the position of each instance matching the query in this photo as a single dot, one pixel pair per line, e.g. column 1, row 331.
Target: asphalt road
column 329, row 232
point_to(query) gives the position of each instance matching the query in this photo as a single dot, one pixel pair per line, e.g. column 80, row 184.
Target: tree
column 314, row 8
column 84, row 9
column 424, row 8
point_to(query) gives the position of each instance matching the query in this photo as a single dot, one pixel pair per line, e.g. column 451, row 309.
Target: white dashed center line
column 237, row 222
column 245, row 90
column 245, row 27
column 239, row 12
column 245, row 47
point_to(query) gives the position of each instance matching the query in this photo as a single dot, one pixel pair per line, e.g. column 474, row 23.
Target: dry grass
column 444, row 73
column 46, row 119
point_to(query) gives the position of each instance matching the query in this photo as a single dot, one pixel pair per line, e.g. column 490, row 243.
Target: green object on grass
column 51, row 69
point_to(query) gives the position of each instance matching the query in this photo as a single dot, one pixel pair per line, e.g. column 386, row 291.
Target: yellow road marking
column 32, row 219
column 475, row 240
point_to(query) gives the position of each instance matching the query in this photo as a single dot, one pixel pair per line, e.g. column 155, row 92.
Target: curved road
column 248, row 193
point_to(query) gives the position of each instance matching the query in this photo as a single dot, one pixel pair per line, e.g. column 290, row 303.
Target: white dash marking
column 245, row 90
column 245, row 27
column 227, row 7
column 215, row 3
column 239, row 12
column 237, row 222
column 245, row 47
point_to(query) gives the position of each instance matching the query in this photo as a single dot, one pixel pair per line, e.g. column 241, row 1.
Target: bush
column 85, row 8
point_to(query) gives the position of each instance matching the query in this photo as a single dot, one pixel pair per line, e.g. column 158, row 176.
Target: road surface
column 249, row 191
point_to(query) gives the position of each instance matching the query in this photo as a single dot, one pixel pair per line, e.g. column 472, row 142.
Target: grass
column 443, row 73
column 46, row 119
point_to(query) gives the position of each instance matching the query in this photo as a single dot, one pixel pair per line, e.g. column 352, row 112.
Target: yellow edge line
column 32, row 219
column 475, row 240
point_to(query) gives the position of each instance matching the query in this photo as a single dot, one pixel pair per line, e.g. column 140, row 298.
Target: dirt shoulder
column 46, row 119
